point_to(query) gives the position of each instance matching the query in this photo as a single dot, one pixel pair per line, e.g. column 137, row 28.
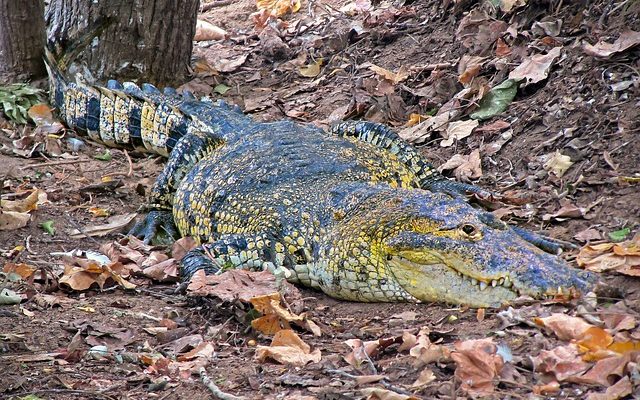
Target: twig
column 52, row 163
column 217, row 3
column 215, row 390
column 384, row 381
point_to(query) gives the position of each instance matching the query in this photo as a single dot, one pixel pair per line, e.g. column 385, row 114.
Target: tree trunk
column 21, row 40
column 148, row 40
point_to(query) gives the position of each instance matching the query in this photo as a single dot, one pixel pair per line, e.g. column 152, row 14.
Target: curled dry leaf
column 363, row 351
column 626, row 40
column 14, row 214
column 458, row 130
column 623, row 257
column 465, row 167
column 114, row 224
column 375, row 393
column 423, row 350
column 477, row 365
column 565, row 327
column 394, row 77
column 22, row 269
column 620, row 390
column 557, row 164
column 562, row 362
column 279, row 8
column 535, row 68
column 208, row 31
column 83, row 274
column 288, row 348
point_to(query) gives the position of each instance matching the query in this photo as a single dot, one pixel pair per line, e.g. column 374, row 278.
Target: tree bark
column 147, row 41
column 21, row 40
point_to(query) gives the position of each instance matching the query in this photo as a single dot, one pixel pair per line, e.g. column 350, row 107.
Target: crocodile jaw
column 440, row 283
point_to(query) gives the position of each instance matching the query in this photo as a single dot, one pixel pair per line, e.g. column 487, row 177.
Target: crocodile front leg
column 190, row 149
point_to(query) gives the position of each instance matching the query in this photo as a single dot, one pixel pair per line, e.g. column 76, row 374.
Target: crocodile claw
column 155, row 222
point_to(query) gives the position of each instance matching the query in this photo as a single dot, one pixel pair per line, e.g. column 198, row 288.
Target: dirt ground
column 587, row 108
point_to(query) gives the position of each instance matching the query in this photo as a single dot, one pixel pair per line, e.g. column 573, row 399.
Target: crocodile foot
column 550, row 245
column 155, row 223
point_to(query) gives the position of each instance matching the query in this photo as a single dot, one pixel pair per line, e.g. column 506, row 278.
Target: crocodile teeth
column 494, row 283
column 501, row 281
column 474, row 281
column 483, row 285
column 559, row 290
column 507, row 282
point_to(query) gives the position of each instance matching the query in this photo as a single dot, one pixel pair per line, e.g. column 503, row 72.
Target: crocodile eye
column 469, row 229
column 389, row 257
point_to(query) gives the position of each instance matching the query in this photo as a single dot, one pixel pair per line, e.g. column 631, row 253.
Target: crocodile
column 353, row 211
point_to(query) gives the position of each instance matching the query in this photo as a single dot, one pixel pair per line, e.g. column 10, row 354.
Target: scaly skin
column 355, row 212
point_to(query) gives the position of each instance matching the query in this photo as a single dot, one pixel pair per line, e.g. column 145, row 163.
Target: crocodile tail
column 119, row 115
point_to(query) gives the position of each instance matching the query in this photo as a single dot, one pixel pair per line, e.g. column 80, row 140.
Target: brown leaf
column 426, row 352
column 605, row 371
column 375, row 393
column 626, row 40
column 182, row 246
column 458, row 130
column 535, row 68
column 208, row 31
column 11, row 220
column 116, row 223
column 163, row 271
column 477, row 365
column 623, row 257
column 564, row 326
column 26, row 204
column 562, row 362
column 279, row 8
column 621, row 389
column 567, row 211
column 394, row 77
column 287, row 348
column 588, row 235
column 363, row 351
column 464, row 167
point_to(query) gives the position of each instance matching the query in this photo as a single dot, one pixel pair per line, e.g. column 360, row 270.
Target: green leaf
column 104, row 157
column 619, row 235
column 9, row 297
column 47, row 226
column 497, row 100
column 16, row 100
column 221, row 88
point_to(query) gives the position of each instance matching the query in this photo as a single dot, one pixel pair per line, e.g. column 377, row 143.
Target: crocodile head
column 436, row 248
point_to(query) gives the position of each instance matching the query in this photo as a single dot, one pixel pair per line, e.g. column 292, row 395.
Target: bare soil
column 574, row 111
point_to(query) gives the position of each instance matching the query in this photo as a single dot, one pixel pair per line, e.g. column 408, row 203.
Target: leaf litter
column 502, row 44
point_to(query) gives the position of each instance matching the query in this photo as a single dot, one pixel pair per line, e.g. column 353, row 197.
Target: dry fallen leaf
column 477, row 365
column 458, row 130
column 564, row 326
column 558, row 164
column 535, row 68
column 621, row 389
column 288, row 348
column 208, row 31
column 311, row 70
column 626, row 40
column 465, row 167
column 115, row 223
column 364, row 351
column 394, row 77
column 623, row 257
column 83, row 274
column 422, row 349
column 562, row 362
column 279, row 8
column 375, row 393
